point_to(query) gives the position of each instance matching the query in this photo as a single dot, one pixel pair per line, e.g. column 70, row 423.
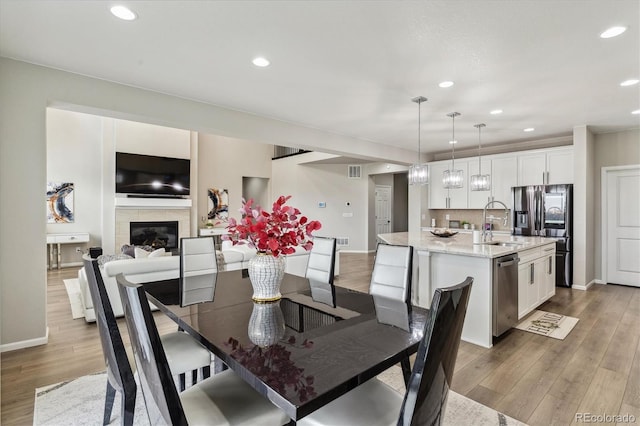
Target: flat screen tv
column 148, row 175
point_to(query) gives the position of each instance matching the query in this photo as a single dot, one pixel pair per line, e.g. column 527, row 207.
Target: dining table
column 297, row 352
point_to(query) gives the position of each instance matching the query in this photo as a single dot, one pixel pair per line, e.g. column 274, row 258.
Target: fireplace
column 154, row 234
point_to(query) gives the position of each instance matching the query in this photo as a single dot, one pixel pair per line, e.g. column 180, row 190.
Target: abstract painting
column 218, row 204
column 59, row 202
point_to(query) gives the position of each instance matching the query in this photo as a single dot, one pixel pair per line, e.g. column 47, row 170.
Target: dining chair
column 184, row 352
column 119, row 373
column 391, row 284
column 198, row 270
column 376, row 403
column 224, row 398
column 320, row 270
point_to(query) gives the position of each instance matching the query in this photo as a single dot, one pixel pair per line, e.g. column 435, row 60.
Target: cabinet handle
column 531, row 273
column 549, row 249
column 550, row 265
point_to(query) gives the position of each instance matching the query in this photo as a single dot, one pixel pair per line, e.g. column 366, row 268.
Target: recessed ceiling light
column 636, row 112
column 613, row 32
column 446, row 84
column 529, row 129
column 261, row 62
column 629, row 82
column 453, row 142
column 124, row 13
column 496, row 111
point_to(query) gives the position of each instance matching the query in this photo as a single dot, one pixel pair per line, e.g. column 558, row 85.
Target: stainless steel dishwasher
column 505, row 293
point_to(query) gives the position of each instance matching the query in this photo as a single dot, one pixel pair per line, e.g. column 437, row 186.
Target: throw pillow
column 141, row 253
column 159, row 253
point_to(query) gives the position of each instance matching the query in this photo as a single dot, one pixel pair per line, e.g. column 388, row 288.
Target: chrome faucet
column 505, row 219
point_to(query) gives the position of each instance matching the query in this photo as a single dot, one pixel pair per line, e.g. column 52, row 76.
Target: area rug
column 81, row 402
column 75, row 297
column 548, row 324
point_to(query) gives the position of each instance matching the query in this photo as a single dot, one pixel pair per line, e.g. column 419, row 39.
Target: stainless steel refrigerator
column 547, row 211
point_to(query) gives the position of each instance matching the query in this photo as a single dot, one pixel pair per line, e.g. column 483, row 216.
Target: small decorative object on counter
column 272, row 235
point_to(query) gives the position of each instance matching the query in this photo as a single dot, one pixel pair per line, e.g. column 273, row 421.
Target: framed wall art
column 60, row 202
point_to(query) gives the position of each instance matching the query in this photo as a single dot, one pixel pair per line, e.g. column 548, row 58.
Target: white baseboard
column 586, row 287
column 26, row 343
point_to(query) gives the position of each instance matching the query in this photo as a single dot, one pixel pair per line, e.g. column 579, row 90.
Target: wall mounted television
column 148, row 175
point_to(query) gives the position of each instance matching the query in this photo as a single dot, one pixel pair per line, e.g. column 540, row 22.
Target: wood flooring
column 535, row 379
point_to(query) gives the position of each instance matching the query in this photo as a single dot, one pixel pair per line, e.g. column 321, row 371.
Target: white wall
column 310, row 183
column 26, row 91
column 224, row 161
column 74, row 154
column 611, row 149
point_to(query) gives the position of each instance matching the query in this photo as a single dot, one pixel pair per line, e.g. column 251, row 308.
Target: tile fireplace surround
column 126, row 215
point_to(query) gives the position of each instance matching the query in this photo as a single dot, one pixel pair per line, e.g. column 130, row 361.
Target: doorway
column 621, row 225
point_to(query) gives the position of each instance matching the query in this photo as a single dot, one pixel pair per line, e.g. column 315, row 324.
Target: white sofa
column 168, row 267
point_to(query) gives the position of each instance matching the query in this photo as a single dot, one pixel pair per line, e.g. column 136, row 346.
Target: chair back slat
column 118, row 368
column 425, row 400
column 198, row 270
column 391, row 284
column 159, row 391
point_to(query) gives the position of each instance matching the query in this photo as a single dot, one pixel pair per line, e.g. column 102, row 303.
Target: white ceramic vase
column 266, row 273
column 266, row 325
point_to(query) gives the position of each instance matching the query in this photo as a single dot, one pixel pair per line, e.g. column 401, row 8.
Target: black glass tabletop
column 299, row 353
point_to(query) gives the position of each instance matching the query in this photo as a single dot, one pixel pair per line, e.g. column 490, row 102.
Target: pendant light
column 418, row 173
column 480, row 182
column 452, row 178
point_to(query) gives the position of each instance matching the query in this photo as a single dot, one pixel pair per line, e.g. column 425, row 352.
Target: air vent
column 342, row 241
column 354, row 171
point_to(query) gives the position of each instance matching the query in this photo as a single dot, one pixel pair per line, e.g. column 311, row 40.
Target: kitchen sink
column 513, row 244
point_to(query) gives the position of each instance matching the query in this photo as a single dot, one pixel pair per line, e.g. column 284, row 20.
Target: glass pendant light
column 419, row 172
column 480, row 182
column 452, row 178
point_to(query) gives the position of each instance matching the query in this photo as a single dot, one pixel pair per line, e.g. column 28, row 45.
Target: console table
column 216, row 233
column 66, row 238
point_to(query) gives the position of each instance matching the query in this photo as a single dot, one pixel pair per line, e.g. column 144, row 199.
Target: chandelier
column 452, row 178
column 418, row 172
column 480, row 182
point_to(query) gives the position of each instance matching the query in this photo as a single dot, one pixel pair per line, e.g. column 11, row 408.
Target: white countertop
column 462, row 243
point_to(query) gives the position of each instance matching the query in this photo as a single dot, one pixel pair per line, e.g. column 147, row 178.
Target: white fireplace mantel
column 152, row 203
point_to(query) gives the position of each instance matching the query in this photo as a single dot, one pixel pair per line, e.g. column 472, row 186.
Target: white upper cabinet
column 560, row 166
column 504, row 174
column 546, row 167
column 441, row 198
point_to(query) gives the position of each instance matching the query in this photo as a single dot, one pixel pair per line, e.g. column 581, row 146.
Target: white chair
column 320, row 270
column 374, row 403
column 198, row 270
column 391, row 284
column 223, row 399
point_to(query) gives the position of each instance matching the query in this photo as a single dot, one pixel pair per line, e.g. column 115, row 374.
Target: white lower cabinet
column 536, row 277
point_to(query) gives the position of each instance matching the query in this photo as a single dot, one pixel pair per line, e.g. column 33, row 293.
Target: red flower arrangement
column 277, row 232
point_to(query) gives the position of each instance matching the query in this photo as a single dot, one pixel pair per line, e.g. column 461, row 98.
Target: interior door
column 383, row 209
column 622, row 226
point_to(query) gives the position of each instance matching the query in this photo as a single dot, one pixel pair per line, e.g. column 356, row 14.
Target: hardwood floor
column 535, row 379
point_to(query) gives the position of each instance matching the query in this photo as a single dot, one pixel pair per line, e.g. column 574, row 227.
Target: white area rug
column 548, row 324
column 81, row 402
column 75, row 297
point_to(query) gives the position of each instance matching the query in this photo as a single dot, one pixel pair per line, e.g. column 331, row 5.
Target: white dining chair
column 223, row 399
column 320, row 270
column 198, row 270
column 391, row 284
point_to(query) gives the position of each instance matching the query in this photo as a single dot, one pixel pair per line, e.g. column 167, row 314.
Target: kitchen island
column 442, row 262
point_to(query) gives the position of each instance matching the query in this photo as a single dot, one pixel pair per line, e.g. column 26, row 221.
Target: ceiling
column 352, row 67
